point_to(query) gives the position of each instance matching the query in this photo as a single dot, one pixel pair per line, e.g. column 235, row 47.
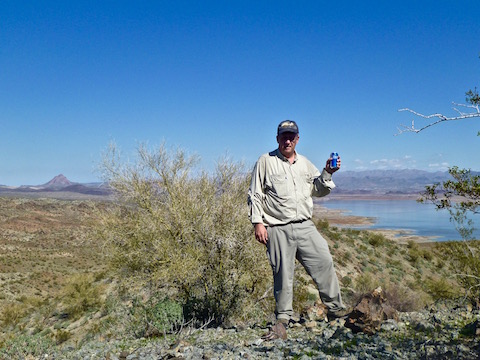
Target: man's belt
column 296, row 221
column 291, row 222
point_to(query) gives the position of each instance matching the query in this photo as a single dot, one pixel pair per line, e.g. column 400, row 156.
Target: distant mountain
column 365, row 183
column 386, row 181
column 59, row 185
column 58, row 182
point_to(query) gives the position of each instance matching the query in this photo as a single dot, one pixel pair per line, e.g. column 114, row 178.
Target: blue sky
column 216, row 77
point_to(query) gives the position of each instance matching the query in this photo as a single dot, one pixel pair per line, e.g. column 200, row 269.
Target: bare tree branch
column 440, row 117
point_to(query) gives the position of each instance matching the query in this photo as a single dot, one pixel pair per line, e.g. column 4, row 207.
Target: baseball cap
column 287, row 126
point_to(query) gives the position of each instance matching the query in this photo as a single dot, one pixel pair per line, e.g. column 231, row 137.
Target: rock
column 369, row 313
column 317, row 312
column 310, row 325
column 472, row 329
column 424, row 326
column 111, row 356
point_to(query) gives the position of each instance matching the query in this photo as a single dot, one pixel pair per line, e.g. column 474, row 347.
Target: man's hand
column 331, row 170
column 261, row 233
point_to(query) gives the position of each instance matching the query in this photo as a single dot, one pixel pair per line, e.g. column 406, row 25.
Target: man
column 281, row 206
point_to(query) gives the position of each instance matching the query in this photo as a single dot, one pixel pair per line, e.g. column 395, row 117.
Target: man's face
column 286, row 143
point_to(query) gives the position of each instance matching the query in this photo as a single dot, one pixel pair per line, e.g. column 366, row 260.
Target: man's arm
column 323, row 184
column 255, row 201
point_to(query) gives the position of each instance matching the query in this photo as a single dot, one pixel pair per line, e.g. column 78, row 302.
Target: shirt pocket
column 307, row 184
column 279, row 184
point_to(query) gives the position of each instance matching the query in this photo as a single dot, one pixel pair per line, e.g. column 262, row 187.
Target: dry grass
column 44, row 243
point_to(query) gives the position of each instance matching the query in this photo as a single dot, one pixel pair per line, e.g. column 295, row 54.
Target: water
column 420, row 219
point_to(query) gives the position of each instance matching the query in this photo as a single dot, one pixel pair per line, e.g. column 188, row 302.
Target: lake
column 420, row 219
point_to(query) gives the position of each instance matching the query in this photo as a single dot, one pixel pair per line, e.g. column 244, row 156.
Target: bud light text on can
column 333, row 162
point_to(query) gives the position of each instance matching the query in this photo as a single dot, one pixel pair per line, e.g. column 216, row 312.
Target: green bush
column 185, row 233
column 442, row 289
column 81, row 294
column 155, row 317
column 322, row 224
column 165, row 315
column 403, row 298
column 346, row 281
column 12, row 313
column 62, row 335
column 365, row 283
column 414, row 256
column 375, row 239
column 464, row 259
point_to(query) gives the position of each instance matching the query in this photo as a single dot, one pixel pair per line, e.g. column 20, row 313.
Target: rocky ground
column 443, row 331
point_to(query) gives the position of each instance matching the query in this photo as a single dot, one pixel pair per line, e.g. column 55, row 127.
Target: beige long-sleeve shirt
column 281, row 192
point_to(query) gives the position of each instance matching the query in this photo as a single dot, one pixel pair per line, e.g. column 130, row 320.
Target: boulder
column 369, row 313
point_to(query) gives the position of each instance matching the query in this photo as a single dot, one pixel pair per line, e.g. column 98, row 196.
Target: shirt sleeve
column 256, row 193
column 323, row 184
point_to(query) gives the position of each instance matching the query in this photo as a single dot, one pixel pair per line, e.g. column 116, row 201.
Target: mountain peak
column 59, row 181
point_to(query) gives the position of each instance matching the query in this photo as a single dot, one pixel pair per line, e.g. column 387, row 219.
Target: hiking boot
column 278, row 331
column 339, row 314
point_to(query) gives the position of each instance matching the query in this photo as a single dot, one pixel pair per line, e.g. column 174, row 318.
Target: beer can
column 333, row 162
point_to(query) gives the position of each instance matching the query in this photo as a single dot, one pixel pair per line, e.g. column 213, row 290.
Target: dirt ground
column 42, row 243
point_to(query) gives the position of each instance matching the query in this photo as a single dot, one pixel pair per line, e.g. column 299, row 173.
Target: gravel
column 440, row 332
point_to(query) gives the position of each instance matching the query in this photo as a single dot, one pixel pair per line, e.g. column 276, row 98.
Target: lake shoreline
column 369, row 196
column 341, row 219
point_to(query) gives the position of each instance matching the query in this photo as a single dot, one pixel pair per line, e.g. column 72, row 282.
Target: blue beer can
column 334, row 156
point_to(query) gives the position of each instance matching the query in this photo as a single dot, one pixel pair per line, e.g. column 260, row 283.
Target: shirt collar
column 282, row 157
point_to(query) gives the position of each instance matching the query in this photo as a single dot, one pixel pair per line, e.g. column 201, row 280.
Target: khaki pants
column 303, row 242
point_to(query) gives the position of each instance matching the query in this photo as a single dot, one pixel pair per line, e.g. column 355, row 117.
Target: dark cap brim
column 288, row 129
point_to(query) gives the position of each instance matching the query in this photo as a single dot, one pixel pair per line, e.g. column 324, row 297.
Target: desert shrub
column 403, row 298
column 335, row 234
column 12, row 313
column 164, row 315
column 81, row 294
column 353, row 232
column 411, row 244
column 441, row 289
column 61, row 336
column 365, row 283
column 414, row 252
column 427, row 255
column 322, row 224
column 414, row 256
column 154, row 317
column 464, row 259
column 185, row 233
column 460, row 196
column 375, row 239
column 346, row 281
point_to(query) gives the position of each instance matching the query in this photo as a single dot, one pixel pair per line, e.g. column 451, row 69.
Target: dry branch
column 440, row 118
